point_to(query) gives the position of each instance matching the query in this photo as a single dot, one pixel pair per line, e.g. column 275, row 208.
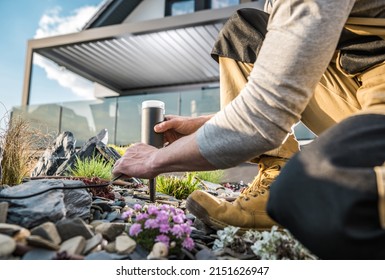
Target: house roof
column 112, row 12
column 137, row 57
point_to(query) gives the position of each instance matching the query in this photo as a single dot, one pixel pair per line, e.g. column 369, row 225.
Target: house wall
column 147, row 10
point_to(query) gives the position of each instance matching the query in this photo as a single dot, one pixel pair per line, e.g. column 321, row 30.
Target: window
column 216, row 4
column 179, row 7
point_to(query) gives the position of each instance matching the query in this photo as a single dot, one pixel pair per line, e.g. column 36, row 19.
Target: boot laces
column 262, row 182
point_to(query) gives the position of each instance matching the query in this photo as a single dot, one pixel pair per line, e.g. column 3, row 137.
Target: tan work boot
column 248, row 211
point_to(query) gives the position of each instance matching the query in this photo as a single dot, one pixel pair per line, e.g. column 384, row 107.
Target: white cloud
column 52, row 24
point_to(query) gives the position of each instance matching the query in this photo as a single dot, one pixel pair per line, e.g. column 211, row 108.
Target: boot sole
column 203, row 215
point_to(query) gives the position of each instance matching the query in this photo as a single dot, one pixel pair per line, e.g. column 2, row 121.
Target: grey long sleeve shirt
column 301, row 39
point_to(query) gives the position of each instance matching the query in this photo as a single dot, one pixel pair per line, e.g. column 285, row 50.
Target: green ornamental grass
column 214, row 176
column 178, row 187
column 92, row 167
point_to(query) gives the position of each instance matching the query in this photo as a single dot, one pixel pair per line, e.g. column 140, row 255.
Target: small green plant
column 178, row 187
column 120, row 149
column 214, row 176
column 92, row 167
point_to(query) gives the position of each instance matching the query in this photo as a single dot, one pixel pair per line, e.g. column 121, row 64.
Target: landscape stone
column 47, row 231
column 110, row 230
column 92, row 243
column 60, row 200
column 73, row 246
column 3, row 210
column 103, row 255
column 60, row 151
column 69, row 228
column 7, row 245
column 9, row 229
column 37, row 241
column 205, row 254
column 124, row 244
column 39, row 254
column 94, row 147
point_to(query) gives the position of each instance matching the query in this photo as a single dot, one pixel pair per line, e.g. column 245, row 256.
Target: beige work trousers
column 336, row 97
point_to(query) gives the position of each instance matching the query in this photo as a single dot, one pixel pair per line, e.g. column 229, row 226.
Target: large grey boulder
column 60, row 151
column 62, row 200
column 94, row 147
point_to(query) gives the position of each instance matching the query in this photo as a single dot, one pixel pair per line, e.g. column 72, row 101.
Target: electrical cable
column 61, row 188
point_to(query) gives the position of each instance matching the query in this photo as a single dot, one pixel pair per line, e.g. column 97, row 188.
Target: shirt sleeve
column 300, row 42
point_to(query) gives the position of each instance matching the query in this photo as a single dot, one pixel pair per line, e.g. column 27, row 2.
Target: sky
column 22, row 20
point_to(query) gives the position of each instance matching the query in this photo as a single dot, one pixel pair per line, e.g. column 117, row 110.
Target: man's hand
column 145, row 161
column 136, row 162
column 175, row 127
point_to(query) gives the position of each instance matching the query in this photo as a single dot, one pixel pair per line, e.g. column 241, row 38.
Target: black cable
column 56, row 188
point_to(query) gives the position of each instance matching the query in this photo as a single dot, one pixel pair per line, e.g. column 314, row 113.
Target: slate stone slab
column 60, row 151
column 3, row 211
column 70, row 228
column 95, row 146
column 40, row 254
column 55, row 204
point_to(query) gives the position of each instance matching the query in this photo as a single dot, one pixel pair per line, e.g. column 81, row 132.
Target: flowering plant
column 164, row 223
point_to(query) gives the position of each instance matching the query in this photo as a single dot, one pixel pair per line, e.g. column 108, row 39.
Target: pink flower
column 177, row 231
column 164, row 228
column 152, row 210
column 137, row 207
column 164, row 207
column 151, row 223
column 188, row 243
column 141, row 216
column 178, row 219
column 163, row 238
column 162, row 217
column 135, row 229
column 186, row 228
column 127, row 214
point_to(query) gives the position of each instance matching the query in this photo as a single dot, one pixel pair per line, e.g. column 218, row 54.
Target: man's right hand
column 175, row 127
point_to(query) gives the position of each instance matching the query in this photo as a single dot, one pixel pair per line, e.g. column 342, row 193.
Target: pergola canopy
column 133, row 57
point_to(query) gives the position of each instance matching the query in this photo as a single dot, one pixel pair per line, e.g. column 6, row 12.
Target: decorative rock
column 54, row 156
column 103, row 255
column 110, row 247
column 110, row 230
column 39, row 254
column 3, row 209
column 7, row 245
column 159, row 252
column 95, row 146
column 61, row 200
column 47, row 231
column 124, row 244
column 73, row 246
column 205, row 254
column 92, row 243
column 9, row 229
column 102, row 204
column 37, row 241
column 69, row 228
column 113, row 216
